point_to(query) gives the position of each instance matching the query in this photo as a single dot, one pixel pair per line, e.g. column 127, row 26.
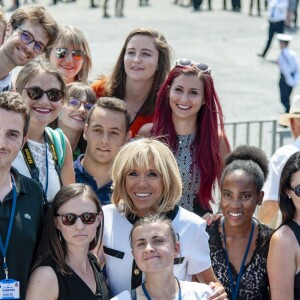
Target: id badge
column 9, row 289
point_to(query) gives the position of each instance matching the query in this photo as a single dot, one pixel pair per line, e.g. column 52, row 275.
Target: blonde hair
column 138, row 153
column 69, row 36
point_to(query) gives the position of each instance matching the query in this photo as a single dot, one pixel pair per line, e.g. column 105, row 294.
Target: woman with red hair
column 189, row 118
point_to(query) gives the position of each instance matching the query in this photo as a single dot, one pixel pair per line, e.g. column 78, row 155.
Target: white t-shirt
column 189, row 291
column 193, row 239
column 276, row 164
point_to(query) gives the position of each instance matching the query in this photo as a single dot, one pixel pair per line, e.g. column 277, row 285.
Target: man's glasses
column 76, row 103
column 77, row 54
column 27, row 38
column 36, row 93
column 70, row 218
column 296, row 190
column 203, row 68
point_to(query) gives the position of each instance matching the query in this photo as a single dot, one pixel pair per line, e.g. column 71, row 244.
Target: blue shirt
column 82, row 176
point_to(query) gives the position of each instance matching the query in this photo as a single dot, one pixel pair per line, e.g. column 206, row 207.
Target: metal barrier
column 264, row 134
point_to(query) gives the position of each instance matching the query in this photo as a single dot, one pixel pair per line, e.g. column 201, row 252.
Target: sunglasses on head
column 36, row 93
column 296, row 190
column 76, row 103
column 203, row 68
column 70, row 218
column 77, row 54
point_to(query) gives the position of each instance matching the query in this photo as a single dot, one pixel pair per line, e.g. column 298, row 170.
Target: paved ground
column 227, row 41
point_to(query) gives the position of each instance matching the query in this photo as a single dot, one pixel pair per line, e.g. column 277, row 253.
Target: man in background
column 29, row 32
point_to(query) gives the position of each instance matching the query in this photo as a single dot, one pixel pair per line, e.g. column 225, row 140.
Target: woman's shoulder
column 284, row 235
column 186, row 216
column 45, row 273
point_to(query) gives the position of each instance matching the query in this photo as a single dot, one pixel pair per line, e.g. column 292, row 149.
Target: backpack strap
column 58, row 139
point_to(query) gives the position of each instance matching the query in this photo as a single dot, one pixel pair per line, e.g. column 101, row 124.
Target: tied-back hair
column 137, row 154
column 52, row 243
column 209, row 128
column 152, row 219
column 286, row 204
column 118, row 77
column 251, row 160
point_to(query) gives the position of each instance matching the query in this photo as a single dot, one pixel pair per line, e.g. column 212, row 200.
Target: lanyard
column 235, row 288
column 148, row 296
column 4, row 247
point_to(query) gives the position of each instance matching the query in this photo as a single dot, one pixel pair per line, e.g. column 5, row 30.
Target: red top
column 99, row 88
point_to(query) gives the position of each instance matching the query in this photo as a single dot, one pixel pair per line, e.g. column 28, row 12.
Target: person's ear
column 25, row 138
column 128, row 136
column 288, row 193
column 177, row 249
column 56, row 223
column 85, row 130
column 260, row 198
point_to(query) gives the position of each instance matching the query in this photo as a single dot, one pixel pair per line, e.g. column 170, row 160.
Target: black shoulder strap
column 28, row 157
column 295, row 228
column 33, row 169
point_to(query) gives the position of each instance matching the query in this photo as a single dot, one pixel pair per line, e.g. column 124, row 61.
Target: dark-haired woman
column 189, row 118
column 284, row 254
column 239, row 243
column 65, row 269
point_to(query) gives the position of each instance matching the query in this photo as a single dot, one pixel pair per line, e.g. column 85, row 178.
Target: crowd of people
column 108, row 189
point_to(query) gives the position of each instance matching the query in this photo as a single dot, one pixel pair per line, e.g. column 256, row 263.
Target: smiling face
column 144, row 188
column 11, row 137
column 72, row 117
column 68, row 66
column 186, row 97
column 42, row 111
column 239, row 198
column 141, row 58
column 105, row 134
column 19, row 52
column 78, row 234
column 153, row 247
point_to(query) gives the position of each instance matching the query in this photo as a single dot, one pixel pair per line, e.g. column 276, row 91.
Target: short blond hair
column 138, row 153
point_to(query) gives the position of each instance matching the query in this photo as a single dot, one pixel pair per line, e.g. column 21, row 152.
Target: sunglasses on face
column 76, row 103
column 296, row 190
column 77, row 54
column 27, row 38
column 86, row 218
column 36, row 93
column 203, row 68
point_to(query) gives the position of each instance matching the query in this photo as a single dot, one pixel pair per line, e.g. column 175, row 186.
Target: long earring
column 60, row 115
column 59, row 236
